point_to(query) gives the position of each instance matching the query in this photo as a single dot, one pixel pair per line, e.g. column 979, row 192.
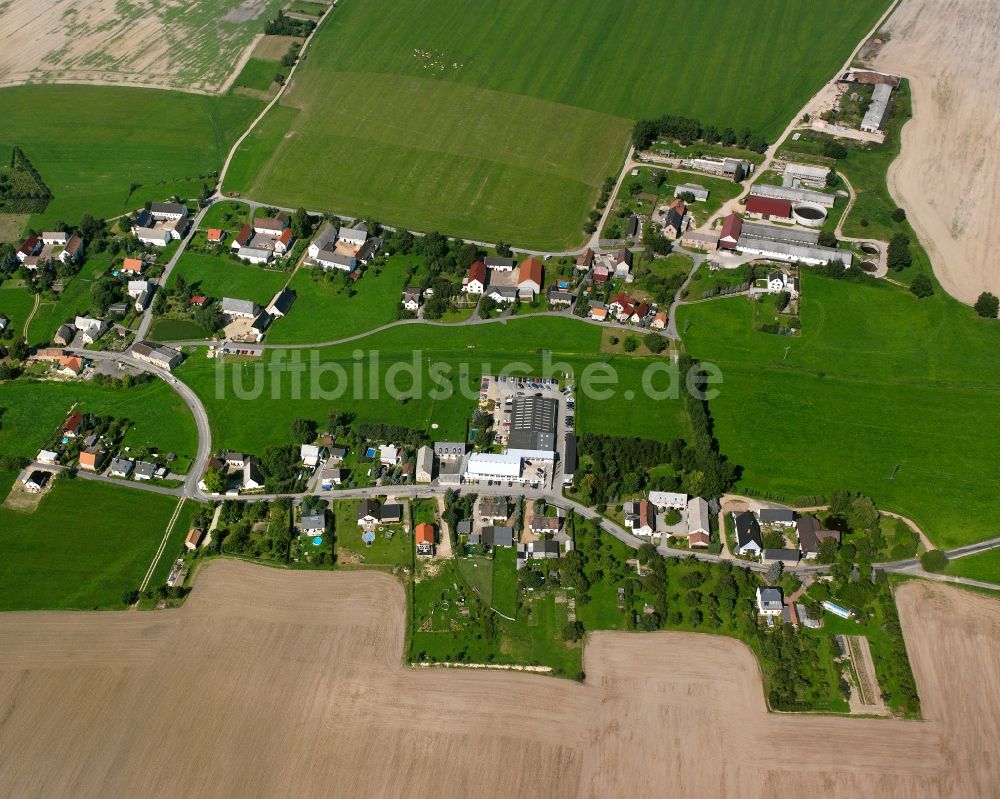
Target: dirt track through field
column 948, row 174
column 272, row 683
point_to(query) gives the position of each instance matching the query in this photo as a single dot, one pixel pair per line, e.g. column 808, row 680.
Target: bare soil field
column 185, row 44
column 273, row 48
column 948, row 174
column 271, row 683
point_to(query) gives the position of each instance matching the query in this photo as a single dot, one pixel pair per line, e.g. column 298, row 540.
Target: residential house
column 640, row 517
column 425, row 465
column 144, row 470
column 369, row 512
column 325, row 241
column 493, row 536
column 411, row 299
column 601, row 273
column 659, row 321
column 253, row 479
column 560, row 298
column 329, row 477
column 239, row 309
column 91, row 459
column 90, row 329
column 58, row 238
column 119, row 309
column 620, row 302
column 272, row 226
column 641, row 313
column 284, row 242
column 73, row 250
column 121, row 467
column 545, row 525
column 622, row 263
column 260, row 324
column 707, row 240
column 529, row 278
column 770, row 601
column 311, row 455
column 676, row 220
column 585, row 260
column 811, row 535
column 748, row 537
column 234, row 460
column 599, row 313
column 4, row 323
column 337, row 451
column 194, row 539
column 424, row 538
column 157, row 354
column 133, row 266
column 215, row 235
column 389, row 454
column 70, row 365
column 313, row 522
column 156, row 237
column 47, row 457
column 30, row 247
column 781, row 517
column 71, row 427
column 494, row 509
column 391, row 513
column 475, row 281
column 502, row 294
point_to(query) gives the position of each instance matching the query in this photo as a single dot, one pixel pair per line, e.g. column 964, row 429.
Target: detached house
column 676, row 220
column 411, row 299
column 640, row 517
column 475, row 281
column 369, row 512
column 529, row 278
column 424, row 538
column 748, row 537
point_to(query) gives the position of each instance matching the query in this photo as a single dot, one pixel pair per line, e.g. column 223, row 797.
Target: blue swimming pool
column 317, row 540
column 370, row 453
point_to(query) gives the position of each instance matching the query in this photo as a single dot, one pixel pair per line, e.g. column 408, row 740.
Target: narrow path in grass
column 163, row 546
column 27, row 322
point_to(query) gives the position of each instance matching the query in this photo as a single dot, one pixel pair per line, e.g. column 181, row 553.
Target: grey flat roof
column 758, row 230
column 533, row 423
column 875, row 115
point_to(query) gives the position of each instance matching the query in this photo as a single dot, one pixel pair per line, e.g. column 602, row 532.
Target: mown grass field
column 224, row 277
column 462, row 354
column 259, row 74
column 877, row 380
column 324, row 312
column 84, row 544
column 15, row 304
column 445, row 115
column 91, row 143
column 30, row 412
column 983, row 566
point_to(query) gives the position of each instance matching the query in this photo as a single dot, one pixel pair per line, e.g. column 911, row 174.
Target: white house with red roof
column 475, row 281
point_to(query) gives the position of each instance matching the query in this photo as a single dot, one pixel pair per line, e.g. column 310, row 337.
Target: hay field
column 185, row 44
column 275, row 683
column 499, row 120
column 948, row 176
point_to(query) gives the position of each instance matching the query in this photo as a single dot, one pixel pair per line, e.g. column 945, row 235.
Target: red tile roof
column 530, row 270
column 76, row 364
column 214, row 234
column 198, row 299
column 246, row 232
column 621, row 298
column 286, row 235
column 477, row 272
column 73, row 421
column 586, row 259
column 731, row 228
column 769, row 206
column 30, row 245
column 425, row 533
column 132, row 265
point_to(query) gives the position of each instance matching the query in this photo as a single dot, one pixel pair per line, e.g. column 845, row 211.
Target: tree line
column 688, row 131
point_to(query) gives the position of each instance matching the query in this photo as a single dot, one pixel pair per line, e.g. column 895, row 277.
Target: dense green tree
column 988, row 305
column 921, row 286
column 934, row 560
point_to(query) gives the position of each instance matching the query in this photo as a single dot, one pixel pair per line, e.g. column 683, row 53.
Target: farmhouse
column 353, row 236
column 769, row 208
column 494, row 509
column 259, row 325
column 242, row 239
column 698, row 524
column 168, row 212
column 732, row 227
column 31, row 246
column 333, row 260
column 585, row 260
column 282, row 303
column 254, row 255
column 155, row 238
column 782, row 517
column 70, row 365
column 499, row 263
column 811, row 535
column 502, row 294
column 157, row 354
column 733, row 168
column 529, row 278
column 271, row 225
column 475, row 281
column 424, row 472
column 640, row 517
column 423, row 535
column 664, row 500
column 676, row 220
column 748, row 538
column 707, row 240
column 659, row 321
column 90, row 329
column 699, row 192
column 239, row 309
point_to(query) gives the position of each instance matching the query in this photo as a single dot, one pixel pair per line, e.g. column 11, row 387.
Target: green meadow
column 882, row 393
column 983, row 566
column 459, row 355
column 81, row 548
column 91, row 143
column 222, row 276
column 445, row 115
column 31, row 412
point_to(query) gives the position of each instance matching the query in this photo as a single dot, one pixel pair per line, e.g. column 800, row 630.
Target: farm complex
column 398, row 397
